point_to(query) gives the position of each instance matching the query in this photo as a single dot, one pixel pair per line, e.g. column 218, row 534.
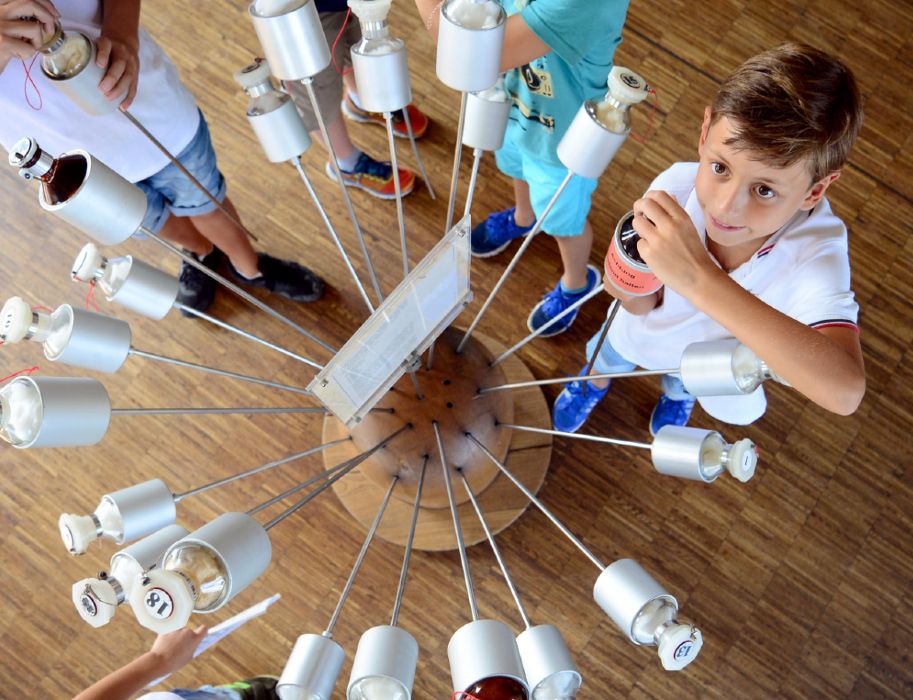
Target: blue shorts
column 169, row 191
column 569, row 214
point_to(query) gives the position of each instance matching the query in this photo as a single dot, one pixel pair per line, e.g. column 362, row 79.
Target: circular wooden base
column 450, row 398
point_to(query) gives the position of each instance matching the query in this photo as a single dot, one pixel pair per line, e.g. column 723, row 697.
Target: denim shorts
column 570, row 212
column 169, row 191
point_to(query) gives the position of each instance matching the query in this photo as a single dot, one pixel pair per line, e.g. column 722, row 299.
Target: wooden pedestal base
column 450, row 398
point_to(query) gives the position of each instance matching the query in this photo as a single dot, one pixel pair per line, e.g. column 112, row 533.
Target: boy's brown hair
column 791, row 103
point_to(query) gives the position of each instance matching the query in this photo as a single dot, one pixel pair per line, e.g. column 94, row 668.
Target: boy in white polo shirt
column 747, row 246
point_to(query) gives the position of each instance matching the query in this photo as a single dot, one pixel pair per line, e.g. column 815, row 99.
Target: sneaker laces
column 373, row 168
column 593, row 395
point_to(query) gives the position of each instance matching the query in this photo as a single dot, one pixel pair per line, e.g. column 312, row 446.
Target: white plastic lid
column 370, row 10
column 742, row 459
column 23, row 151
column 15, row 319
column 95, row 601
column 163, row 603
column 626, row 86
column 87, row 263
column 77, row 532
column 679, row 646
column 254, row 74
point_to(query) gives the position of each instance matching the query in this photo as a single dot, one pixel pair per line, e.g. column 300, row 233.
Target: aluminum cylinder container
column 106, row 207
column 96, row 342
column 148, row 551
column 468, row 60
column 587, row 147
column 486, row 122
column 281, row 132
column 623, row 589
column 382, row 80
column 293, row 42
column 482, row 649
column 144, row 508
column 385, row 653
column 720, row 368
column 312, row 669
column 688, row 453
column 75, row 411
column 82, row 88
column 241, row 542
column 147, row 290
column 545, row 654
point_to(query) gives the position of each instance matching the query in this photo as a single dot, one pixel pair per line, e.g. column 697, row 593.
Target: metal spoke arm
column 578, row 436
column 568, row 380
column 404, row 572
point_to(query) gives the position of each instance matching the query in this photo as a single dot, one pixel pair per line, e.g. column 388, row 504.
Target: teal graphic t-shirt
column 548, row 91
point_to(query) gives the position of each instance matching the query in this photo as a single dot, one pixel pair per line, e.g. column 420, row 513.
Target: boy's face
column 745, row 200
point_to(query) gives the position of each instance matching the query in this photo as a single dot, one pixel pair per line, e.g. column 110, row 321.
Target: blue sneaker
column 557, row 301
column 495, row 233
column 670, row 412
column 572, row 408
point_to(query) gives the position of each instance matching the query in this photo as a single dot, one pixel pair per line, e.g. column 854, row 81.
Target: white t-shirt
column 803, row 271
column 162, row 104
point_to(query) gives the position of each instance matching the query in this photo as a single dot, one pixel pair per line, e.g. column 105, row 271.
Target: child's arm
column 169, row 653
column 21, row 37
column 118, row 48
column 825, row 365
column 632, row 304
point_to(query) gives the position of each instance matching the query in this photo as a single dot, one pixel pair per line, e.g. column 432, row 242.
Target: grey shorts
column 328, row 83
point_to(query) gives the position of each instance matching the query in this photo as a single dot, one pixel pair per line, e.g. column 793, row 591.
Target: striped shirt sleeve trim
column 834, row 323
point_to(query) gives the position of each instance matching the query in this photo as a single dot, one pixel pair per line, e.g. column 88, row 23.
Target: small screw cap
column 679, row 646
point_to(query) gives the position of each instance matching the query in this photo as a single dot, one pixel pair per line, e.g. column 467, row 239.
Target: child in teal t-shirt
column 557, row 54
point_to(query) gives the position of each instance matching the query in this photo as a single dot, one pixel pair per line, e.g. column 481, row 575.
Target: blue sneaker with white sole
column 572, row 408
column 495, row 233
column 670, row 411
column 556, row 302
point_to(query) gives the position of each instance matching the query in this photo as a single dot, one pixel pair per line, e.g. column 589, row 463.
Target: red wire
column 30, row 371
column 90, row 297
column 336, row 41
column 29, row 79
column 649, row 133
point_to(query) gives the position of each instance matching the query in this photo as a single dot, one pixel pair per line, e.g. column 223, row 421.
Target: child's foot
column 495, row 233
column 195, row 289
column 556, row 301
column 670, row 412
column 417, row 118
column 285, row 278
column 572, row 408
column 375, row 177
column 257, row 688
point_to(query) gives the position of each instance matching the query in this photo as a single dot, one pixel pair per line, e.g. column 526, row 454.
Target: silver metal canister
column 75, row 411
column 312, row 669
column 382, row 80
column 385, row 655
column 483, row 649
column 96, row 342
column 144, row 508
column 623, row 589
column 468, row 60
column 547, row 661
column 293, row 42
column 588, row 147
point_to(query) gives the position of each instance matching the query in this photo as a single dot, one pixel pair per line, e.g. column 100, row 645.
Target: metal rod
column 430, row 362
column 418, row 386
column 178, row 497
column 404, row 572
column 334, row 163
column 325, row 474
column 545, row 326
column 513, row 263
column 400, row 214
column 211, row 411
column 497, row 552
column 476, row 159
column 568, row 380
column 418, row 158
column 464, row 561
column 613, row 309
column 578, row 436
column 326, row 220
column 250, row 336
column 328, row 632
column 219, row 372
column 457, row 155
column 193, row 262
column 536, row 502
column 180, row 166
column 341, row 471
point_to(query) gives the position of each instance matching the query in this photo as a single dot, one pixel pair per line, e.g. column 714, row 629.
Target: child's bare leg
column 339, row 136
column 181, row 231
column 575, row 254
column 523, row 214
column 223, row 232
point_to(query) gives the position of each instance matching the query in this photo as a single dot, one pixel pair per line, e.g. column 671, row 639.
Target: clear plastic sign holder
column 393, row 339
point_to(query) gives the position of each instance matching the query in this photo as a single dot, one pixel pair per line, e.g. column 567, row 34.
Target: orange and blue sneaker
column 375, row 177
column 417, row 118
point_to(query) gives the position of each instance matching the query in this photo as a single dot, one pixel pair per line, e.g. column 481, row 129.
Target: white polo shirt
column 803, row 271
column 162, row 104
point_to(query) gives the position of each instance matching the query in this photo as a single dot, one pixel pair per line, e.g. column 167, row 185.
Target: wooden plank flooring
column 799, row 580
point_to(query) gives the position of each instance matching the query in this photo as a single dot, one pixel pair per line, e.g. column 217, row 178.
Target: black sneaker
column 196, row 290
column 285, row 278
column 257, row 688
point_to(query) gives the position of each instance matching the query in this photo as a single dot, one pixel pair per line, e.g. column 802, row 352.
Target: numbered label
column 159, row 603
column 67, row 537
column 683, row 650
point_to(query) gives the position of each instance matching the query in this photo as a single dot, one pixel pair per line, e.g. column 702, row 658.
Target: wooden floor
column 801, row 580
